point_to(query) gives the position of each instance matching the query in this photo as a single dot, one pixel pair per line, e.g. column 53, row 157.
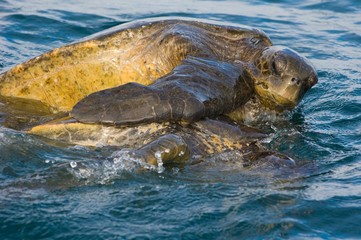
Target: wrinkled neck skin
column 257, row 108
column 254, row 111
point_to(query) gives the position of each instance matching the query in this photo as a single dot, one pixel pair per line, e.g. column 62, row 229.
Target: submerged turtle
column 158, row 143
column 155, row 71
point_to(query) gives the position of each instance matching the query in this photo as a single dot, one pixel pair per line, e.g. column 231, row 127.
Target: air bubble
column 73, row 164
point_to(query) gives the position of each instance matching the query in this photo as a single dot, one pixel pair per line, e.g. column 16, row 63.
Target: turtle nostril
column 296, row 80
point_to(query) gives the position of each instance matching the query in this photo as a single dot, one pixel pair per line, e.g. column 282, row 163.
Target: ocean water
column 50, row 191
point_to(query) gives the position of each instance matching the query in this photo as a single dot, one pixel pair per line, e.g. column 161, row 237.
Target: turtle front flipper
column 124, row 105
column 195, row 89
column 169, row 147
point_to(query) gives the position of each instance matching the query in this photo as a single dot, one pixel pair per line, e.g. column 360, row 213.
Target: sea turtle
column 158, row 143
column 155, row 71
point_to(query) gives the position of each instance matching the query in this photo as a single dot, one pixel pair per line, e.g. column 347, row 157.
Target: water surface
column 43, row 197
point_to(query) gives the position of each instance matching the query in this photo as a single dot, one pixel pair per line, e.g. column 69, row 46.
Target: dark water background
column 43, row 197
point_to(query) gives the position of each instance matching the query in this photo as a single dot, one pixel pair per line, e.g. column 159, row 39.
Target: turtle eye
column 278, row 65
column 274, row 67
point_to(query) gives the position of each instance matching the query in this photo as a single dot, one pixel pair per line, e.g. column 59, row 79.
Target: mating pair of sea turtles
column 155, row 84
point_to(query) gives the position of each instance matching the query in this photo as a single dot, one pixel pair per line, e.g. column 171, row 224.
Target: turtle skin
column 172, row 71
column 163, row 69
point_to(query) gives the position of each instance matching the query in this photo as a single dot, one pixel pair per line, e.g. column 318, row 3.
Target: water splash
column 118, row 163
column 158, row 156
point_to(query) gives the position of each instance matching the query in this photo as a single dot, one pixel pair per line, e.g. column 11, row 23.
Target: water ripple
column 40, row 196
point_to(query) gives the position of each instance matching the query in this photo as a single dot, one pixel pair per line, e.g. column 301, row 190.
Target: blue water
column 43, row 197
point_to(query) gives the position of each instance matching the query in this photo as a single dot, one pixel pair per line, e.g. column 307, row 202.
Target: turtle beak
column 313, row 80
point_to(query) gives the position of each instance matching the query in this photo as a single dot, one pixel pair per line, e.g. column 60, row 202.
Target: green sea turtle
column 156, row 143
column 155, row 71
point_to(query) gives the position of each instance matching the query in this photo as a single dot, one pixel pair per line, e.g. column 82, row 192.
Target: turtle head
column 284, row 77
